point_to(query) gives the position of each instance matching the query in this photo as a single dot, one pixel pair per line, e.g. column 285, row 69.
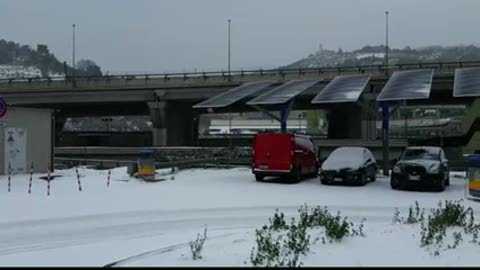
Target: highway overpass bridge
column 168, row 98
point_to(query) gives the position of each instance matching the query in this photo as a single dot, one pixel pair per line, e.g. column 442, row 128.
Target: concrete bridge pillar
column 59, row 119
column 158, row 116
column 173, row 123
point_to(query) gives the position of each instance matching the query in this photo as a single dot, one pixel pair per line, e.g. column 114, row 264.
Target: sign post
column 3, row 107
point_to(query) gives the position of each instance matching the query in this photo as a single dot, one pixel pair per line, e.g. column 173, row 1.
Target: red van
column 283, row 154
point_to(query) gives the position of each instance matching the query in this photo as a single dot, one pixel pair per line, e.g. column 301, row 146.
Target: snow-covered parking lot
column 147, row 224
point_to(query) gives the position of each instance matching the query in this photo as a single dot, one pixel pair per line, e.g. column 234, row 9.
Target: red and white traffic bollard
column 9, row 178
column 78, row 180
column 108, row 179
column 48, row 180
column 30, row 180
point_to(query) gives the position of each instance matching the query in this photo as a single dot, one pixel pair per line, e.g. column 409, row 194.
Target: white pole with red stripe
column 48, row 180
column 78, row 180
column 108, row 179
column 9, row 177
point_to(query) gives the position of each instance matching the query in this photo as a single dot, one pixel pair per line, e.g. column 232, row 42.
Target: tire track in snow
column 18, row 237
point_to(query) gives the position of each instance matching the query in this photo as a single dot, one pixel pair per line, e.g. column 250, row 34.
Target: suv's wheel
column 394, row 183
column 440, row 186
column 259, row 177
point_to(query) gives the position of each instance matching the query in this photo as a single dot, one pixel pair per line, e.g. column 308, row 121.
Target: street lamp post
column 229, row 50
column 73, row 52
column 386, row 42
column 385, row 111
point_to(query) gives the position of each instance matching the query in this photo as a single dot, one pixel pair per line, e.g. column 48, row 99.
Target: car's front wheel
column 374, row 174
column 363, row 178
column 324, row 181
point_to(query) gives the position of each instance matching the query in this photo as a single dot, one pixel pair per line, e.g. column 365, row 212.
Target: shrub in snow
column 453, row 214
column 197, row 246
column 278, row 221
column 275, row 249
column 434, row 228
column 336, row 227
column 279, row 244
column 415, row 215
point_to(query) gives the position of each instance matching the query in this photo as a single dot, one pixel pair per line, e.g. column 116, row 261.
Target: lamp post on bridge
column 386, row 43
column 229, row 75
column 73, row 52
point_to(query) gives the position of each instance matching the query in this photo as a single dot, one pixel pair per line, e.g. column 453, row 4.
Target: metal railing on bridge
column 439, row 66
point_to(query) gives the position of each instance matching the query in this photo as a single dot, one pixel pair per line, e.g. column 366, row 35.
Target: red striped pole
column 108, row 179
column 9, row 178
column 48, row 180
column 78, row 180
column 30, row 180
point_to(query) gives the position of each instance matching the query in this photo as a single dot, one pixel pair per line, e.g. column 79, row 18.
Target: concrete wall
column 38, row 124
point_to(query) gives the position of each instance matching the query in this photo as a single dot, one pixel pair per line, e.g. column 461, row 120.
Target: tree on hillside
column 87, row 67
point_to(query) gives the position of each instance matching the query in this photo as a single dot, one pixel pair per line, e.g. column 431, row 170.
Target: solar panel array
column 233, row 95
column 409, row 84
column 283, row 93
column 467, row 82
column 342, row 89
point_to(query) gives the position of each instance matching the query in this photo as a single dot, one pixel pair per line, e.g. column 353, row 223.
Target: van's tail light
column 291, row 153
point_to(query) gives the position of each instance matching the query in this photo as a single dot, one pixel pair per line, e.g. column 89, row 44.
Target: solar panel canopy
column 233, row 95
column 342, row 89
column 283, row 93
column 411, row 84
column 467, row 82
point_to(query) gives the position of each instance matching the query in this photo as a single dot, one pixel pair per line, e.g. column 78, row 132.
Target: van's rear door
column 273, row 152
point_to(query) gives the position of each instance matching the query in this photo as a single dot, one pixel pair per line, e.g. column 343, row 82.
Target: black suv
column 421, row 166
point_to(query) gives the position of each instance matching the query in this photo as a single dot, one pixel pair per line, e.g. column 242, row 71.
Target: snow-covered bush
column 197, row 246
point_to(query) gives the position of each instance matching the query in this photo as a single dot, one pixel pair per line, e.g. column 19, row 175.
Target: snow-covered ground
column 148, row 224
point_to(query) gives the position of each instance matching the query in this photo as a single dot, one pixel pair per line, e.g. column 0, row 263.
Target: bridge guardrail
column 241, row 73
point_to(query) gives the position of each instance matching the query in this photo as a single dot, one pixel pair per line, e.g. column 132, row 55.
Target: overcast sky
column 183, row 35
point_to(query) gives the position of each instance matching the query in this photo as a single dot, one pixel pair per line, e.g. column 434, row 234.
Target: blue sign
column 3, row 107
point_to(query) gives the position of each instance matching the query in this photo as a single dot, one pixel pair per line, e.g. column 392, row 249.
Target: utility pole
column 73, row 52
column 229, row 75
